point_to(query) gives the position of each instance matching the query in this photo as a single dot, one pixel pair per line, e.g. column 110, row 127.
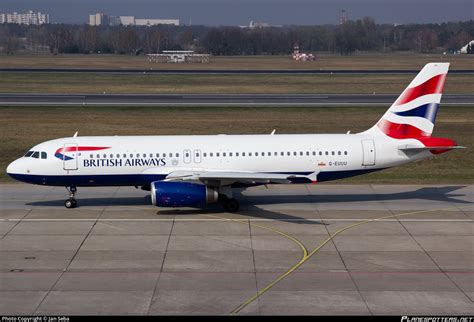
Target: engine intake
column 181, row 194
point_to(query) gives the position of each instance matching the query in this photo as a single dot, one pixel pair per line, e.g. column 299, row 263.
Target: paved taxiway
column 10, row 99
column 223, row 71
column 117, row 254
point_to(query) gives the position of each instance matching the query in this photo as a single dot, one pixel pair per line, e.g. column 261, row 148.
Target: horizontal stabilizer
column 428, row 148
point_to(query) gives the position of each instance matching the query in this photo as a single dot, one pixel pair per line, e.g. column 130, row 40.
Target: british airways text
column 155, row 162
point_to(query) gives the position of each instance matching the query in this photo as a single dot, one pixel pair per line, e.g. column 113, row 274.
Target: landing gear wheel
column 231, row 205
column 70, row 203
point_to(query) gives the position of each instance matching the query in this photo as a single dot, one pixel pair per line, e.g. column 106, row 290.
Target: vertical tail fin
column 413, row 114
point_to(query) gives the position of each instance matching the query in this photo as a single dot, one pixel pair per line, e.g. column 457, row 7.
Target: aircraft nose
column 14, row 168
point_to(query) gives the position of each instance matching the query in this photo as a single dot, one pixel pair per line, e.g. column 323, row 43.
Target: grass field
column 23, row 127
column 219, row 84
column 324, row 61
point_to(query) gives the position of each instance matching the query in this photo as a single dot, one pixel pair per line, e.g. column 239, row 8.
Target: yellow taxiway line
column 321, row 245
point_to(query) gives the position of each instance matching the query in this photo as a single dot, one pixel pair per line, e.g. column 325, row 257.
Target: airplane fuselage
column 140, row 160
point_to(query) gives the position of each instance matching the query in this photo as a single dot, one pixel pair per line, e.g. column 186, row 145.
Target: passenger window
column 131, row 155
column 250, row 154
column 294, row 153
column 43, row 155
column 204, row 154
column 288, row 153
column 345, row 152
column 35, row 155
column 98, row 156
column 320, row 152
column 332, row 153
column 124, row 155
column 338, row 152
column 28, row 154
column 211, row 154
column 236, row 154
column 301, row 153
column 223, row 154
column 177, row 155
column 314, row 152
column 217, row 154
column 230, row 154
column 91, row 156
column 307, row 152
column 111, row 156
column 327, row 153
column 243, row 154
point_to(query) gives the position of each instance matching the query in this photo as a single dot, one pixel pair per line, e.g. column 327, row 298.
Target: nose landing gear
column 71, row 202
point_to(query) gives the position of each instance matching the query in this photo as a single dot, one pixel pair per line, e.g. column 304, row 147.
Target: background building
column 99, row 19
column 343, row 17
column 151, row 22
column 259, row 24
column 126, row 20
column 29, row 18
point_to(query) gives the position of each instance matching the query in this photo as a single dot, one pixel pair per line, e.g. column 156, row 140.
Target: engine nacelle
column 181, row 194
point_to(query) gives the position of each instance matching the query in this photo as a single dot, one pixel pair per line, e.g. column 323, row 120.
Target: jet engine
column 181, row 194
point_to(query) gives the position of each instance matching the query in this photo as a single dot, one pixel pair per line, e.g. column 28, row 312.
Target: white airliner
column 192, row 171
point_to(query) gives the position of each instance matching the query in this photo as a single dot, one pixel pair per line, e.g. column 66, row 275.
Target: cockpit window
column 28, row 154
column 35, row 155
column 43, row 155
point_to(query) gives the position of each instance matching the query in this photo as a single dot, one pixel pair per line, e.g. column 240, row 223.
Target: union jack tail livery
column 413, row 114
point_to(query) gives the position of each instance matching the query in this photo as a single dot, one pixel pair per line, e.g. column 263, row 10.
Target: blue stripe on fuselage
column 147, row 179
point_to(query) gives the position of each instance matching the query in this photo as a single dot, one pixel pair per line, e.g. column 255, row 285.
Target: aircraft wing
column 225, row 178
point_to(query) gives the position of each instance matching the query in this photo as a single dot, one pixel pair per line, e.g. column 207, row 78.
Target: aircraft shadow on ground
column 250, row 204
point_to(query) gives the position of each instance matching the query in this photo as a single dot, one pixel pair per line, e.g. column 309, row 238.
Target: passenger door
column 70, row 156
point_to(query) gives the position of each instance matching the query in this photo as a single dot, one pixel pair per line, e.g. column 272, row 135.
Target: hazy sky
column 240, row 12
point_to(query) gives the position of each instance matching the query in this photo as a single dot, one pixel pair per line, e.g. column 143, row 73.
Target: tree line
column 360, row 35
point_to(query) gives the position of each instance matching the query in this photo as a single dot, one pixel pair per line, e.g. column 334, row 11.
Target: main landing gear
column 71, row 202
column 230, row 205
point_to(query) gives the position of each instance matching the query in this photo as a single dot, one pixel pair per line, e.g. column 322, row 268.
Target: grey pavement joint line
column 321, row 245
column 254, row 265
column 436, row 264
column 72, row 258
column 348, row 272
column 155, row 289
column 17, row 223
